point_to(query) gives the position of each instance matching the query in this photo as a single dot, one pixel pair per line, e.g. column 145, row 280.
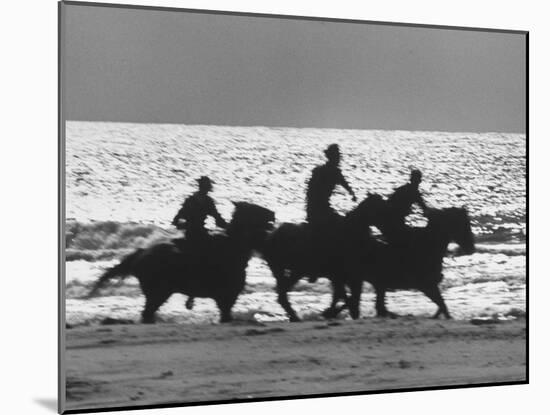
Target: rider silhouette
column 195, row 209
column 323, row 180
column 400, row 203
column 323, row 218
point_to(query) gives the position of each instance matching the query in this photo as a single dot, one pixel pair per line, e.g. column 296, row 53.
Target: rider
column 195, row 209
column 320, row 214
column 323, row 180
column 401, row 201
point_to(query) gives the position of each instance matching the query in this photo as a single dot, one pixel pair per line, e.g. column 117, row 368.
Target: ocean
column 125, row 182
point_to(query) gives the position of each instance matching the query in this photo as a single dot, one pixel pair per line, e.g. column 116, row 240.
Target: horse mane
column 241, row 207
column 358, row 210
column 250, row 214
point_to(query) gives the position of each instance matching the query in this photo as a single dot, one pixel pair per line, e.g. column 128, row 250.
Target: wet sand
column 124, row 365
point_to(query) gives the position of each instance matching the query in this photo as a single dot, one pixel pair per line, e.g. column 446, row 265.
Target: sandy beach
column 134, row 364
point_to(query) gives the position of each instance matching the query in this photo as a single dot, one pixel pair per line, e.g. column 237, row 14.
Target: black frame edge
column 292, row 397
column 61, row 382
column 527, row 139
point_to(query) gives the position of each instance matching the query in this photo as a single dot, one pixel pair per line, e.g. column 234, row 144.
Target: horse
column 217, row 270
column 293, row 251
column 417, row 261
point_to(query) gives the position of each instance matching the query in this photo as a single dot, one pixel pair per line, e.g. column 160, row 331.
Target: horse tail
column 124, row 269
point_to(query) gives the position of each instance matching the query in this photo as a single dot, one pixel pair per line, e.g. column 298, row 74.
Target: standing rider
column 400, row 203
column 323, row 180
column 195, row 209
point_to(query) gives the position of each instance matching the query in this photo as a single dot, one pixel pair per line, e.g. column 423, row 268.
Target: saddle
column 195, row 247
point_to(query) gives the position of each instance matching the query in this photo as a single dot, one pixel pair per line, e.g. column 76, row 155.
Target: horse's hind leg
column 282, row 295
column 153, row 301
column 434, row 294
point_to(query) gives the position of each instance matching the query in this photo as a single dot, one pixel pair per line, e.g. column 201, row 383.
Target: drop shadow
column 48, row 403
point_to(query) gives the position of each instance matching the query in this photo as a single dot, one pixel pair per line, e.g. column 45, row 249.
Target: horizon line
column 301, row 128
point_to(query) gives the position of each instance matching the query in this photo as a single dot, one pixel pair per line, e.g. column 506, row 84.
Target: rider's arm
column 343, row 182
column 182, row 213
column 178, row 216
column 220, row 221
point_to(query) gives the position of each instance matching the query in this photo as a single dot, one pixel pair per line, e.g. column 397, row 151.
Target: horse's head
column 250, row 220
column 455, row 222
column 370, row 211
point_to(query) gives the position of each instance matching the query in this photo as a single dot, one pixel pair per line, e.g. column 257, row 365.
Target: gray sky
column 158, row 66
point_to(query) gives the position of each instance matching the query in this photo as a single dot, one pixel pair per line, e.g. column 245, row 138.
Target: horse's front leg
column 356, row 286
column 190, row 303
column 381, row 310
column 225, row 305
column 338, row 293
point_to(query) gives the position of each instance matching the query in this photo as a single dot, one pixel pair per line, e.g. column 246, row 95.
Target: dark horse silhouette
column 417, row 261
column 218, row 272
column 293, row 251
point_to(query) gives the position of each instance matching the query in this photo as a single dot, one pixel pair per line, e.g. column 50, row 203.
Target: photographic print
column 272, row 207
